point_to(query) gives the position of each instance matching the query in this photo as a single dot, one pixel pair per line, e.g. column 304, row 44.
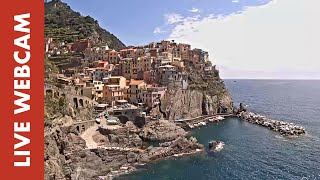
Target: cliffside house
column 151, row 96
column 135, row 87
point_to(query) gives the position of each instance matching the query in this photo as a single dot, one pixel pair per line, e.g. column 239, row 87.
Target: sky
column 246, row 39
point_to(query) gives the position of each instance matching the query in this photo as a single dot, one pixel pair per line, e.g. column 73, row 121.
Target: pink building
column 152, row 96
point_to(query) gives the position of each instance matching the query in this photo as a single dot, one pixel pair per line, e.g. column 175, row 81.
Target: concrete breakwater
column 196, row 122
column 284, row 128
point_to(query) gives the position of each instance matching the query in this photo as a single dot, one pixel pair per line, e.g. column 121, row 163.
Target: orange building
column 113, row 93
column 114, row 88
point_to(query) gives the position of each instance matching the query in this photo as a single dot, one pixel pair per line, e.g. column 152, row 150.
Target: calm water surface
column 251, row 151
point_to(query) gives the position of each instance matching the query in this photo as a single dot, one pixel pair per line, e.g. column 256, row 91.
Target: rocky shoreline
column 284, row 128
column 117, row 151
column 173, row 142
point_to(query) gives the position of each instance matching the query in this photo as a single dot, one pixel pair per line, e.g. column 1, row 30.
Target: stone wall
column 72, row 96
column 81, row 126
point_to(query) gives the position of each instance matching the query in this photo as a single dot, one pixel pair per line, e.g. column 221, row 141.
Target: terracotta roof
column 136, row 82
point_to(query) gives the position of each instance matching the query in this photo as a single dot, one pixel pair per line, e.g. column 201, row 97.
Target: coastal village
column 135, row 74
column 129, row 79
column 111, row 108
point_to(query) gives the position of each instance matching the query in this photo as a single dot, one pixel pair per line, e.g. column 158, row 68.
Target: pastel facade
column 151, row 96
column 113, row 57
column 115, row 80
column 113, row 93
column 135, row 87
column 94, row 54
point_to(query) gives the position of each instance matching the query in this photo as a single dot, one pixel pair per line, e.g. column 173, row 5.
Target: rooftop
column 166, row 66
column 122, row 101
column 136, row 82
column 113, row 85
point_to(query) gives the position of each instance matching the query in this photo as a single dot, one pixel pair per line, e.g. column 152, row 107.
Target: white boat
column 191, row 126
column 220, row 118
column 202, row 123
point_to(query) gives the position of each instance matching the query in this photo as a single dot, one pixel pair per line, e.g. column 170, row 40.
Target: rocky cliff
column 206, row 95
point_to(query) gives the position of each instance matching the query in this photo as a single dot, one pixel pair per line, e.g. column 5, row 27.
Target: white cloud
column 278, row 40
column 194, row 10
column 235, row 1
column 158, row 30
column 173, row 18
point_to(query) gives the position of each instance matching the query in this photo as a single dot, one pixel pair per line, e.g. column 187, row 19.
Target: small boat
column 191, row 126
column 220, row 118
column 202, row 123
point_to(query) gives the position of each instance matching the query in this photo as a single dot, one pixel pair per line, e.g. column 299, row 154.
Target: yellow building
column 135, row 87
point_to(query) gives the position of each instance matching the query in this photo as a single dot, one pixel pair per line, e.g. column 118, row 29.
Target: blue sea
column 251, row 151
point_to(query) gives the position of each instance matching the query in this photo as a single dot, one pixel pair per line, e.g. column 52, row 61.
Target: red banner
column 22, row 104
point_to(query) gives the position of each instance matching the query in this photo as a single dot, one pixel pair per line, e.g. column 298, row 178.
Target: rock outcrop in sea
column 215, row 146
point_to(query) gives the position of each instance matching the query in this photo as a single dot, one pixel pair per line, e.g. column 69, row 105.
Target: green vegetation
column 54, row 107
column 49, row 66
column 66, row 25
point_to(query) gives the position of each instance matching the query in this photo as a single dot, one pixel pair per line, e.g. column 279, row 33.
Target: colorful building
column 135, row 87
column 151, row 96
column 98, row 89
column 113, row 57
column 113, row 93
